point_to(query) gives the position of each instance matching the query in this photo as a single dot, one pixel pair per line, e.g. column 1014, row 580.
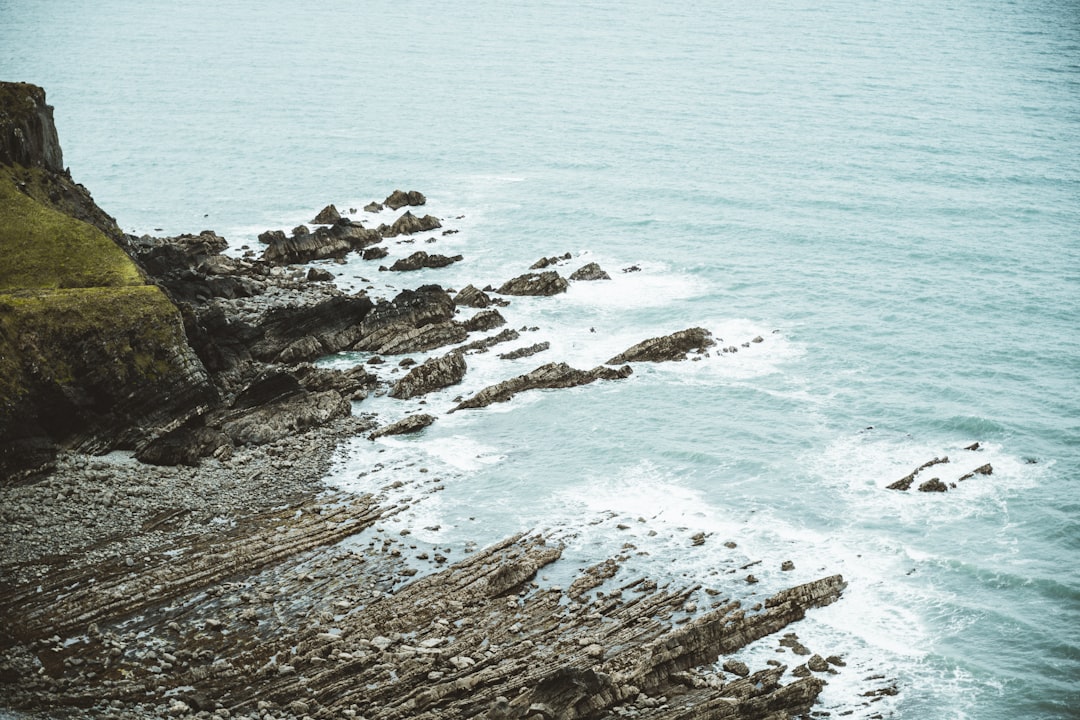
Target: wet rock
column 484, row 321
column 334, row 241
column 271, row 236
column 484, row 344
column 525, row 351
column 552, row 375
column 420, row 259
column 669, row 347
column 408, row 224
column 373, row 207
column 787, row 565
column 592, row 271
column 400, row 198
column 817, row 664
column 933, row 485
column 973, row 446
column 435, row 374
column 470, row 296
column 319, row 275
column 736, row 667
column 375, row 253
column 545, row 284
column 405, row 426
column 549, row 261
column 986, row 469
column 327, row 216
column 418, row 319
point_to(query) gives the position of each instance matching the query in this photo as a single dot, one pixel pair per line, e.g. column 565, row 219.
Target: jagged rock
column 817, row 664
column 327, row 216
column 271, row 236
column 334, row 323
column 484, row 321
column 525, row 351
column 435, row 374
column 552, row 375
column 973, row 446
column 421, row 259
column 632, row 268
column 470, row 296
column 546, row 283
column 986, row 469
column 399, row 199
column 424, row 338
column 375, row 253
column 669, row 347
column 405, row 426
column 592, row 271
column 373, row 207
column 905, row 482
column 933, row 485
column 334, row 241
column 548, row 261
column 397, row 324
column 319, row 275
column 408, row 224
column 300, row 231
column 484, row 344
column 287, row 416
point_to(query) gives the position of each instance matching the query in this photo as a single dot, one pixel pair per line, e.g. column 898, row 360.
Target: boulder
column 435, row 374
column 546, row 283
column 327, row 216
column 270, row 236
column 400, row 198
column 408, row 224
column 421, row 259
column 669, row 347
column 373, row 207
column 552, row 375
column 375, row 253
column 933, row 485
column 986, row 469
column 592, row 271
column 409, row 424
column 319, row 275
column 484, row 320
column 470, row 296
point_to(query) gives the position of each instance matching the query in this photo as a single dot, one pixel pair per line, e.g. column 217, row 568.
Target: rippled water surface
column 888, row 194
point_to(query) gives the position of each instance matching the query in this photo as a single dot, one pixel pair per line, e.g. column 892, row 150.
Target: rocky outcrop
column 400, row 198
column 434, row 374
column 327, row 216
column 668, row 347
column 546, row 283
column 375, row 253
column 484, row 320
column 549, row 261
column 334, row 241
column 470, row 296
column 525, row 351
column 592, row 271
column 405, row 426
column 552, row 375
column 414, row 321
column 408, row 224
column 905, row 482
column 484, row 344
column 28, row 134
column 420, row 259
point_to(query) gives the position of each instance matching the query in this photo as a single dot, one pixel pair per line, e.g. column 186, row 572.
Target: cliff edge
column 91, row 355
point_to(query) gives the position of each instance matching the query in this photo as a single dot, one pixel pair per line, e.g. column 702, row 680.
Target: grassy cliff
column 87, row 347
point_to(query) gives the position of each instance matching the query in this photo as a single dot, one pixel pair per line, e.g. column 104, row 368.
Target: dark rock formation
column 669, row 347
column 421, row 259
column 415, row 321
column 546, row 283
column 592, row 271
column 435, row 374
column 271, row 236
column 405, row 426
column 319, row 275
column 470, row 296
column 286, row 416
column 400, row 198
column 548, row 261
column 525, row 351
column 484, row 321
column 986, row 469
column 326, row 242
column 408, row 224
column 552, row 375
column 327, row 216
column 905, row 482
column 933, row 485
column 484, row 344
column 375, row 253
column 373, row 207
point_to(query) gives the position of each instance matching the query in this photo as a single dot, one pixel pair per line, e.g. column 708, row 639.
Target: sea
column 887, row 194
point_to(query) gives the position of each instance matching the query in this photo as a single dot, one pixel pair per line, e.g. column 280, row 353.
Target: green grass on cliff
column 117, row 336
column 41, row 248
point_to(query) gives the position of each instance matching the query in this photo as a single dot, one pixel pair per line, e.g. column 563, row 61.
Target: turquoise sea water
column 893, row 188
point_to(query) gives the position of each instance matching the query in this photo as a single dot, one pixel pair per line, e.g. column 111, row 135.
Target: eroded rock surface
column 545, row 283
column 435, row 374
column 550, row 376
column 592, row 271
column 675, row 346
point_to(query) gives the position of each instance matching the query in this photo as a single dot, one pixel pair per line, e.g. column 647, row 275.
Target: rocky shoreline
column 196, row 565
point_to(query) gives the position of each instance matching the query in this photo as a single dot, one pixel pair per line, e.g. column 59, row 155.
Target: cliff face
column 90, row 354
